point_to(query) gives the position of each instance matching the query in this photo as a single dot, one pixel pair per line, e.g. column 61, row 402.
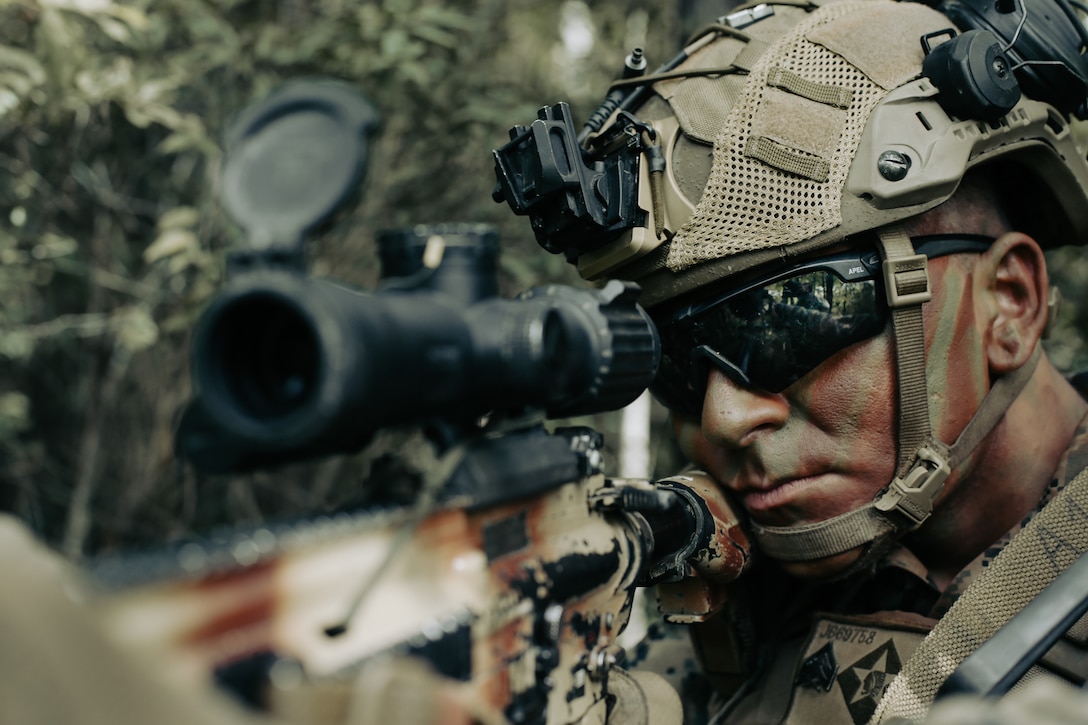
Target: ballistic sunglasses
column 769, row 333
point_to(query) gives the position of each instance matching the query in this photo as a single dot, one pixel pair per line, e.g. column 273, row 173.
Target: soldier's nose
column 735, row 416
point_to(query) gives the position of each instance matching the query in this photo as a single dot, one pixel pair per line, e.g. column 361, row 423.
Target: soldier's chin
column 828, row 567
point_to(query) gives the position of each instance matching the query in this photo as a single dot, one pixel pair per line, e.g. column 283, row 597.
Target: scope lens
column 269, row 357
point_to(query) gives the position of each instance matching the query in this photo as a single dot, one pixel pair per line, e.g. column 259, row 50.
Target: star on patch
column 863, row 683
column 818, row 671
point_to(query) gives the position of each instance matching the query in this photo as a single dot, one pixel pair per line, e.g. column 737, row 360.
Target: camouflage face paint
column 956, row 366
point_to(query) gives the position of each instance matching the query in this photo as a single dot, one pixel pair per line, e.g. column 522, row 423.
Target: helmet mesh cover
column 783, row 154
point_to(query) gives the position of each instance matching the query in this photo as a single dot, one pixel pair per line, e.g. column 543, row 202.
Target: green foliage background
column 111, row 240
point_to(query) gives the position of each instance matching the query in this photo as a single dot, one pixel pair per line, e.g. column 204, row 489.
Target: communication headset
column 1005, row 47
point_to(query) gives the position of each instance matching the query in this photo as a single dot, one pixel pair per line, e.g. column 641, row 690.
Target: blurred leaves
column 20, row 73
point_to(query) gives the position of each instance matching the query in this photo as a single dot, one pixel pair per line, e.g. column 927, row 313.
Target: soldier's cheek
column 851, row 395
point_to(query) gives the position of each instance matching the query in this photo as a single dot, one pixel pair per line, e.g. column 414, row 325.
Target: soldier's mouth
column 778, row 494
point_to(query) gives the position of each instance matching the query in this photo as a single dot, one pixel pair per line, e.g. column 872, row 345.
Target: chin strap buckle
column 911, row 496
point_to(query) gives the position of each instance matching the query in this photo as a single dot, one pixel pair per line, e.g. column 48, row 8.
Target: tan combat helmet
column 790, row 126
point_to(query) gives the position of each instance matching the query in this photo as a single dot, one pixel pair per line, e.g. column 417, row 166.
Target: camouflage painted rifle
column 499, row 593
column 515, row 606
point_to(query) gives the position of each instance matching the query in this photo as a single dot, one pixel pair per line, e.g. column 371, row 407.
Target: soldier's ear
column 1016, row 287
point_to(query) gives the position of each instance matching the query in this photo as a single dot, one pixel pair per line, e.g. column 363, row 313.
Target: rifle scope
column 295, row 367
column 288, row 367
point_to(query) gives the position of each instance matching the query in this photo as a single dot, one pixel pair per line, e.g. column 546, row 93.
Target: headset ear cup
column 1045, row 41
column 974, row 76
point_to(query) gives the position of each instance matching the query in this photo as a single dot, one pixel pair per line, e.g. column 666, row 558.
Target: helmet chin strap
column 924, row 461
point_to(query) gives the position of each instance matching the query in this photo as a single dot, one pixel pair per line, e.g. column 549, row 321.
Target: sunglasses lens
column 767, row 337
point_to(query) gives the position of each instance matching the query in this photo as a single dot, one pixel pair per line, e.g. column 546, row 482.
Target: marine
column 840, row 227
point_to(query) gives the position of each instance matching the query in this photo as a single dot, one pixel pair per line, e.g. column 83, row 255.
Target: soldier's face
column 827, row 444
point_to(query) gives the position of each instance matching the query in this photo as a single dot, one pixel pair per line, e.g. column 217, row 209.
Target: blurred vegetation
column 111, row 240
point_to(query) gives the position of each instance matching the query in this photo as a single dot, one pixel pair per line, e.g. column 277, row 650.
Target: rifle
column 502, row 588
